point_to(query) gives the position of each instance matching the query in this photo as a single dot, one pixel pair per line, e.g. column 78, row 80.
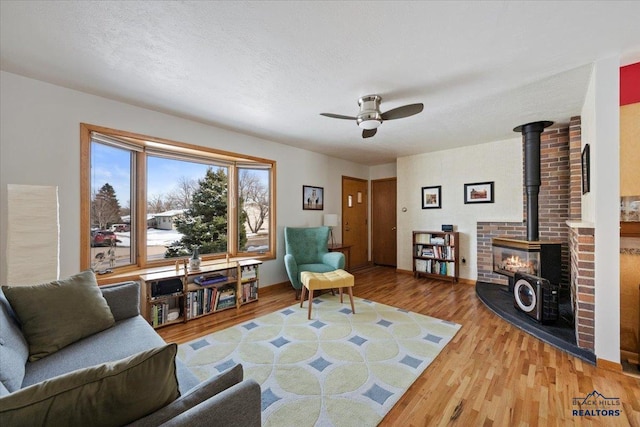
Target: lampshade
column 330, row 220
column 33, row 234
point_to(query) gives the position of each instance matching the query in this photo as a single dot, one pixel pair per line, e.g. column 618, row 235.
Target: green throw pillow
column 54, row 315
column 111, row 394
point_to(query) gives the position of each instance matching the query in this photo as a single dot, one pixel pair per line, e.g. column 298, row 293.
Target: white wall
column 387, row 170
column 601, row 129
column 499, row 161
column 40, row 144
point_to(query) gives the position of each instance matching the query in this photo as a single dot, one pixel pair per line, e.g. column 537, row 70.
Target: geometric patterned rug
column 337, row 369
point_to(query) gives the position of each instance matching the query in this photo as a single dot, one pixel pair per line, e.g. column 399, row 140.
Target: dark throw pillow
column 111, row 394
column 54, row 315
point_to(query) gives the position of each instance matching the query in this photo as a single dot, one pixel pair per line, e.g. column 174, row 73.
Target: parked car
column 120, row 228
column 103, row 238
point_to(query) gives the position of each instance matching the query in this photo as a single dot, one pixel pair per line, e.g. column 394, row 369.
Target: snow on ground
column 155, row 237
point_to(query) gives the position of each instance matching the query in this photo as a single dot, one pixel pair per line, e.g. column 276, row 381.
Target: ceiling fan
column 370, row 116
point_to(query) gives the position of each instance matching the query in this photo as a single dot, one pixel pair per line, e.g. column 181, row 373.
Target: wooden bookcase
column 435, row 255
column 180, row 295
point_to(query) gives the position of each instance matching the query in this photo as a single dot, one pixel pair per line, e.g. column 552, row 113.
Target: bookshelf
column 435, row 255
column 181, row 295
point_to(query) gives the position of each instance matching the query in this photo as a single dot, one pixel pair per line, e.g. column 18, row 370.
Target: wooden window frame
column 141, row 262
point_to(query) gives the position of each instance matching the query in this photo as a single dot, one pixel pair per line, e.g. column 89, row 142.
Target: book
column 210, row 279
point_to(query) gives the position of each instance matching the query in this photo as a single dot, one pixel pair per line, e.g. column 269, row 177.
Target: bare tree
column 254, row 198
column 157, row 204
column 180, row 198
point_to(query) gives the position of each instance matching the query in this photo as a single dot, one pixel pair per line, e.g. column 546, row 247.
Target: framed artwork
column 431, row 197
column 585, row 170
column 478, row 192
column 312, row 198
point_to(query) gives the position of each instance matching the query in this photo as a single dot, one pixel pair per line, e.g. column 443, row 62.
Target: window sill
column 134, row 274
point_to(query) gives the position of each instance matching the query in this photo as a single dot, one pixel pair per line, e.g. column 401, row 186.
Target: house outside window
column 148, row 202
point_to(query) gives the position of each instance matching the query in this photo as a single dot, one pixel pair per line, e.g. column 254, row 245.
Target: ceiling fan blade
column 337, row 116
column 368, row 133
column 401, row 112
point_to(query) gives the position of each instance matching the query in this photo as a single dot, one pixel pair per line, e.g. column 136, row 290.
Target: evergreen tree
column 204, row 224
column 105, row 208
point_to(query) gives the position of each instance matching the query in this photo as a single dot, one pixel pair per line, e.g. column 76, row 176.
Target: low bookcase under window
column 180, row 295
column 435, row 255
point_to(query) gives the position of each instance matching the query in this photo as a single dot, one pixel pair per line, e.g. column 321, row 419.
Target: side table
column 345, row 249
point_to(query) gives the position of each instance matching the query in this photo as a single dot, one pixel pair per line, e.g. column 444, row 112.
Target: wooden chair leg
column 340, row 295
column 353, row 310
column 310, row 303
column 302, row 292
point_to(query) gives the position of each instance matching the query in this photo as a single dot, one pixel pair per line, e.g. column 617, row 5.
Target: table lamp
column 331, row 220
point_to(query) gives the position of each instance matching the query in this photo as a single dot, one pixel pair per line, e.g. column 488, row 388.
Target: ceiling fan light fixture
column 369, row 124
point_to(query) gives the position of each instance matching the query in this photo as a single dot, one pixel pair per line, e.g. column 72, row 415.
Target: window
column 148, row 202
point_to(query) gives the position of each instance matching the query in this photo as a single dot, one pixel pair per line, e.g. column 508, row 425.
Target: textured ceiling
column 269, row 68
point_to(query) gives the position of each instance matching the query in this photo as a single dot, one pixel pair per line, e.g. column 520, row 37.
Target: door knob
column 394, row 228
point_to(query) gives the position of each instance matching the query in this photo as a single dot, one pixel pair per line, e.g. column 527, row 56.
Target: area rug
column 337, row 369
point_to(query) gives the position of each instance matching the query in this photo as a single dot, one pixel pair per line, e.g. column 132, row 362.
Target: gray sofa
column 223, row 400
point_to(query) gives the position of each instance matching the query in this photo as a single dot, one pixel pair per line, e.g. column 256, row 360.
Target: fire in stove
column 537, row 258
column 514, row 264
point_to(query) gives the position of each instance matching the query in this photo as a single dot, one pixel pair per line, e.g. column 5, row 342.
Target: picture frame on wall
column 432, row 197
column 478, row 192
column 312, row 198
column 586, row 181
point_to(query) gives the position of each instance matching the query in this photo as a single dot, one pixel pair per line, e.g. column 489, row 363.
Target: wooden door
column 383, row 222
column 355, row 232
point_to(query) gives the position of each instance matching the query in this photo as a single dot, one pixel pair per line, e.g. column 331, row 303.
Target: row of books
column 444, row 268
column 206, row 300
column 160, row 314
column 249, row 292
column 446, row 239
column 443, row 252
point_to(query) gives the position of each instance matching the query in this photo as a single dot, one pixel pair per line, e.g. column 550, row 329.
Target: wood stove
column 539, row 258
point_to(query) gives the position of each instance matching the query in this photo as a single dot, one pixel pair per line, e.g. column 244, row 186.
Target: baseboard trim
column 275, row 287
column 609, row 365
column 460, row 279
column 631, row 356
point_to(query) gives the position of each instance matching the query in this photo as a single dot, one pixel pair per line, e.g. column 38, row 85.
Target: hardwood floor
column 490, row 374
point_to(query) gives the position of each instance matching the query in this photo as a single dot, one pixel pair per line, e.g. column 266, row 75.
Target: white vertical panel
column 32, row 235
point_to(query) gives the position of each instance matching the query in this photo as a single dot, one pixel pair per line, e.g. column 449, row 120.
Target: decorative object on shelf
column 630, row 209
column 586, row 181
column 312, row 198
column 478, row 192
column 431, row 197
column 447, row 227
column 195, row 260
column 331, row 220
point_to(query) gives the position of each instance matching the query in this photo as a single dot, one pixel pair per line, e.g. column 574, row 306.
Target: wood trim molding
column 609, row 365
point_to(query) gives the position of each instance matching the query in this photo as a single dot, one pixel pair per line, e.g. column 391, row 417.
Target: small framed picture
column 312, row 198
column 431, row 197
column 585, row 170
column 478, row 192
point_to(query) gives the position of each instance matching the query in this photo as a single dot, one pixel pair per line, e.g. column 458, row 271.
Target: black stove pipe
column 531, row 133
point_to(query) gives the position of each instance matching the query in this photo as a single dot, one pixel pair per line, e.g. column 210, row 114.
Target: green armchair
column 306, row 250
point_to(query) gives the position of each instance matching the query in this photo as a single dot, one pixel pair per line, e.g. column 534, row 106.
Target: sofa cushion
column 14, row 349
column 123, row 299
column 203, row 391
column 110, row 394
column 54, row 315
column 126, row 337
